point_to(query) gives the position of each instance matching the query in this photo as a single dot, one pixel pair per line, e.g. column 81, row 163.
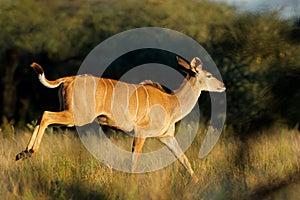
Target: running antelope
column 143, row 108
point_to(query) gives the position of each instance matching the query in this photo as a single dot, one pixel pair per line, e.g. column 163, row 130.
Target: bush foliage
column 256, row 53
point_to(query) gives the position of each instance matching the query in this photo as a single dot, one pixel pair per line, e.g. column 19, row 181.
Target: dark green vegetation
column 256, row 53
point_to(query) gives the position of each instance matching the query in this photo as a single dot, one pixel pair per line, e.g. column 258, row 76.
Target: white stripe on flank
column 112, row 95
column 137, row 101
column 45, row 83
column 127, row 99
column 147, row 96
column 94, row 92
column 85, row 93
column 105, row 93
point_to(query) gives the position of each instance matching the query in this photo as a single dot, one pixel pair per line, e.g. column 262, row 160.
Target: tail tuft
column 37, row 68
column 50, row 84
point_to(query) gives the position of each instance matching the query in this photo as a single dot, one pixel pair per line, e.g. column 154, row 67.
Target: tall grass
column 235, row 169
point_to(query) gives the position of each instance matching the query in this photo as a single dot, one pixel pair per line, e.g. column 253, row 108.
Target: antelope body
column 143, row 108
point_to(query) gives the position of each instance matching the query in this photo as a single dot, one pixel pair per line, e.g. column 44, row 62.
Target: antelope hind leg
column 27, row 153
column 63, row 117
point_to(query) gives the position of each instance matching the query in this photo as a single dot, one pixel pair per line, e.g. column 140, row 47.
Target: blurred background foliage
column 256, row 53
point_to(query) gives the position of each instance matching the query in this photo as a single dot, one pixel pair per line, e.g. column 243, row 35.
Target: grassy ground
column 265, row 166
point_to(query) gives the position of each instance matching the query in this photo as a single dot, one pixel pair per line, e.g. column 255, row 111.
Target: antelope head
column 206, row 81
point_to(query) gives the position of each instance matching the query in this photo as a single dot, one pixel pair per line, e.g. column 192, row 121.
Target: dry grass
column 63, row 169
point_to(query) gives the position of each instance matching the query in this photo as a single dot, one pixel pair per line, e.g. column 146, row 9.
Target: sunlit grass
column 64, row 169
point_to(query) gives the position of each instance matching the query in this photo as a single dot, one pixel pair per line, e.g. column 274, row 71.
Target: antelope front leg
column 137, row 146
column 172, row 144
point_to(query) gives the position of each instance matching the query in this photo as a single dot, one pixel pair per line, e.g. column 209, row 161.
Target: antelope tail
column 50, row 84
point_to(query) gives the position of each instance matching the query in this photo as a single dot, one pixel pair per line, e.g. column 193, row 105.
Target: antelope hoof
column 23, row 155
column 195, row 179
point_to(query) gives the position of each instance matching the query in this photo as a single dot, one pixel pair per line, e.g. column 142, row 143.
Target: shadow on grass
column 277, row 188
column 285, row 189
column 74, row 190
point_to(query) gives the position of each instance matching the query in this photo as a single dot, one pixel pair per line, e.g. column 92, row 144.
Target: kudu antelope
column 143, row 108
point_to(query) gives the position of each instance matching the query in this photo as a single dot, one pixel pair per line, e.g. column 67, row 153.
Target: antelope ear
column 183, row 63
column 196, row 63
